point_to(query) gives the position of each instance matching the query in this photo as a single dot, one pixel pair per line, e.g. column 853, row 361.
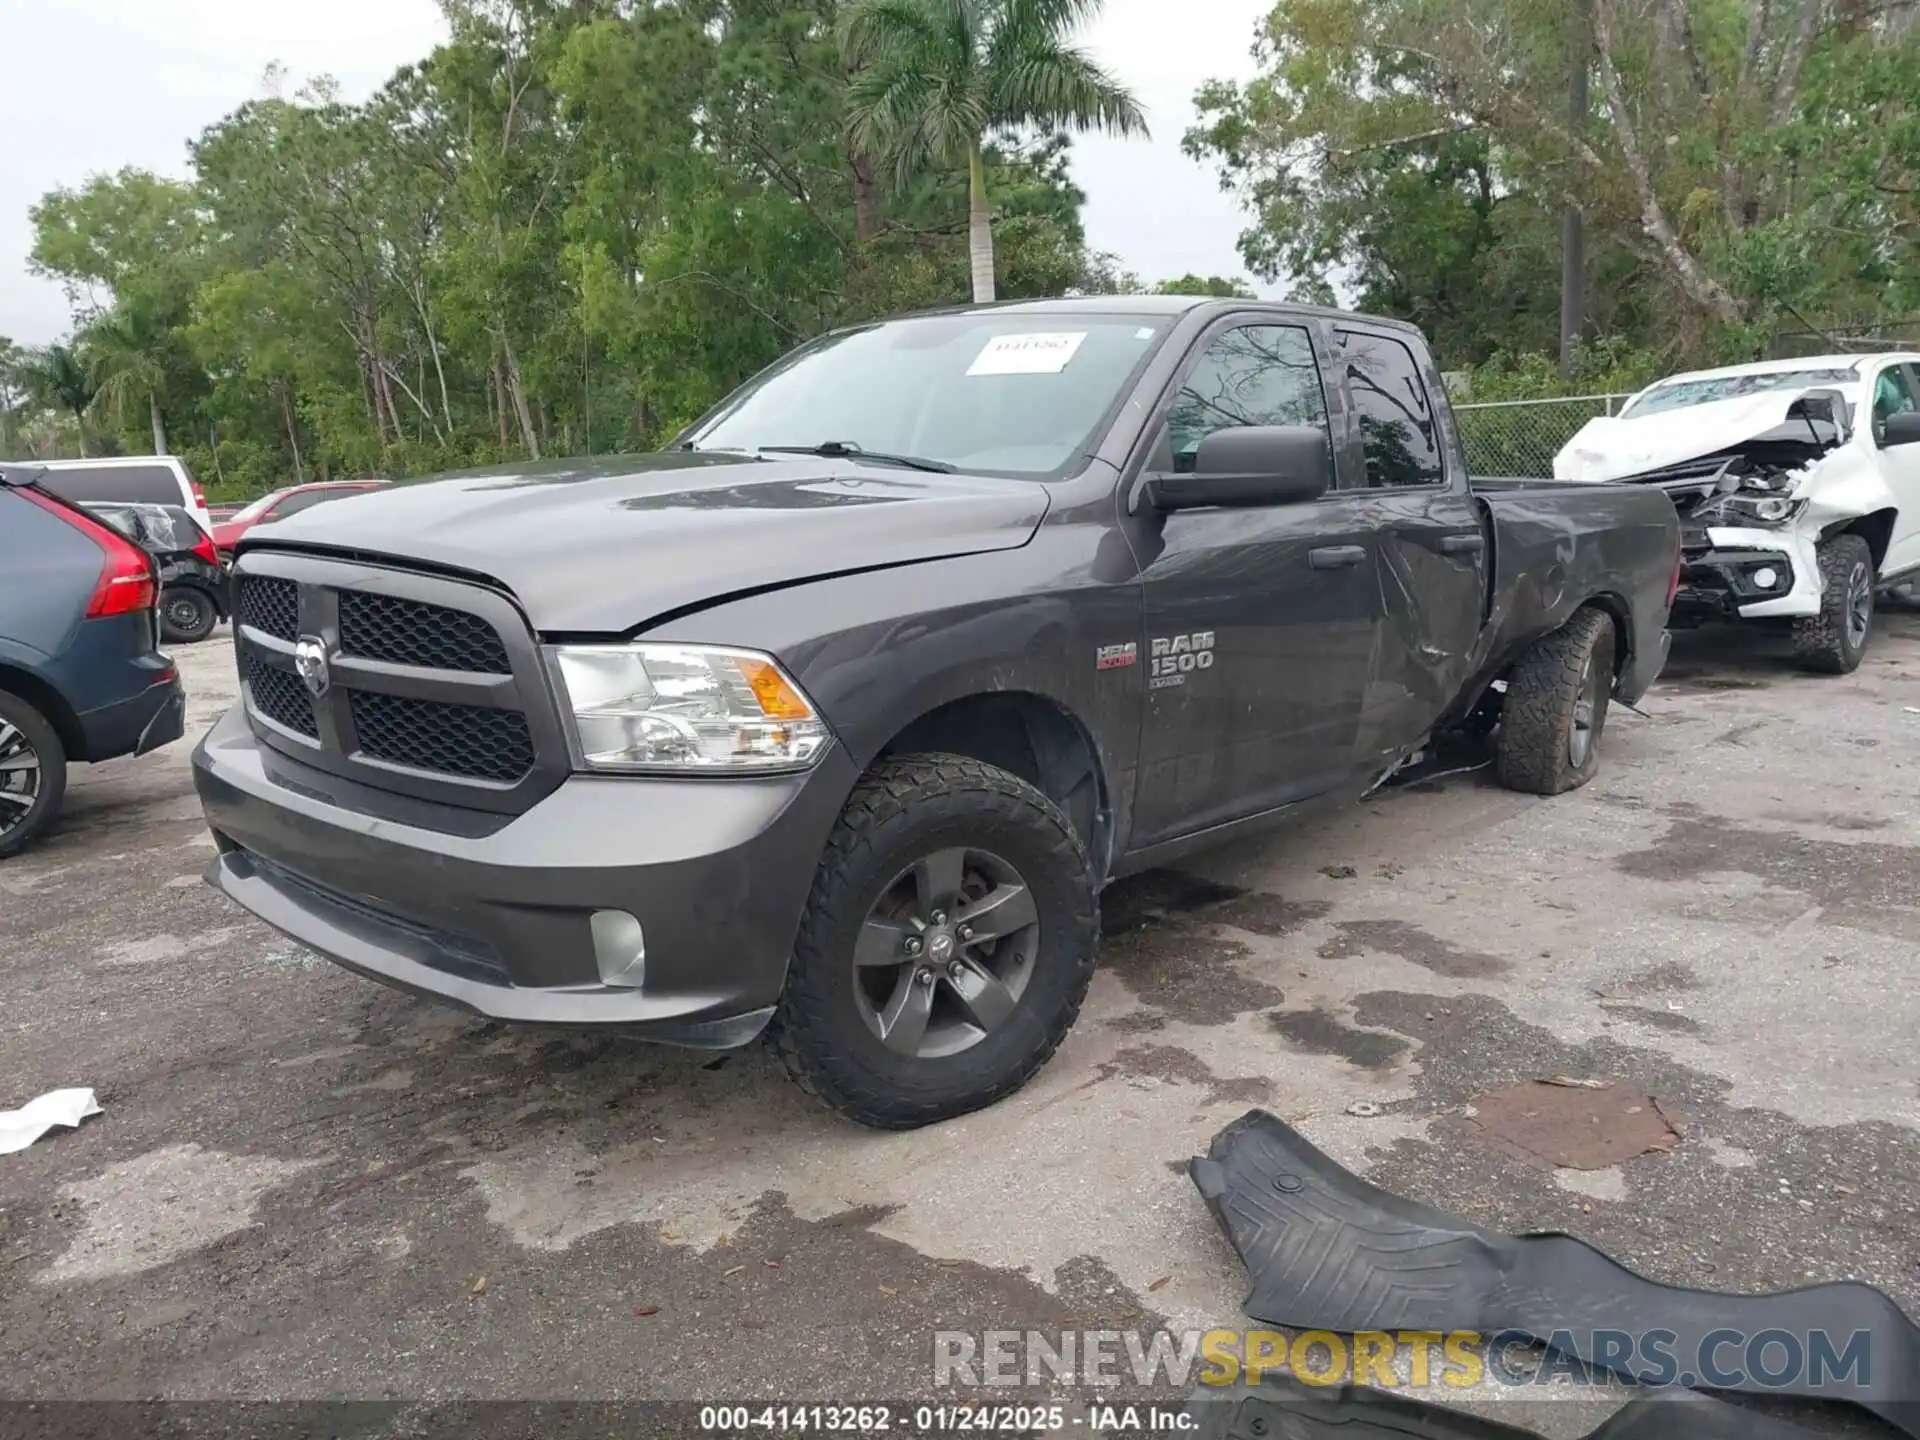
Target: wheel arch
column 49, row 702
column 1875, row 528
column 1028, row 734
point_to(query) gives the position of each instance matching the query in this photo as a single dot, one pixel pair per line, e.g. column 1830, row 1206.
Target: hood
column 608, row 544
column 1613, row 448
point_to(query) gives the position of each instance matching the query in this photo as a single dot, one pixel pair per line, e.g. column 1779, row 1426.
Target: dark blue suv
column 81, row 678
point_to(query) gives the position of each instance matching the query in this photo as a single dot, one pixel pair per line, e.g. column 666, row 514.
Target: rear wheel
column 187, row 614
column 1834, row 641
column 1556, row 708
column 33, row 773
column 946, row 948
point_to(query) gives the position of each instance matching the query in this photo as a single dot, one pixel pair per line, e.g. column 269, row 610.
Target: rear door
column 1432, row 546
column 1259, row 620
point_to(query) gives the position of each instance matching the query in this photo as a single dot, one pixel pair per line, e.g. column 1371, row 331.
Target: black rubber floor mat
column 1281, row 1408
column 1327, row 1251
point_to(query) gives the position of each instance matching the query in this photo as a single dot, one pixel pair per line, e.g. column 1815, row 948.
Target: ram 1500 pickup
column 833, row 720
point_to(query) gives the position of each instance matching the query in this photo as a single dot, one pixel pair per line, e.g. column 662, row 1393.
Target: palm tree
column 57, row 377
column 935, row 77
column 127, row 352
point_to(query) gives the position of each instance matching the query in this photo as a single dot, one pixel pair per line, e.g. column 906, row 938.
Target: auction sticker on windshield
column 1035, row 354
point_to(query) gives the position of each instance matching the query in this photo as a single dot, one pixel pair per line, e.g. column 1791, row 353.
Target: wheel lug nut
column 955, row 971
column 966, row 932
column 913, row 945
column 924, row 975
column 939, row 917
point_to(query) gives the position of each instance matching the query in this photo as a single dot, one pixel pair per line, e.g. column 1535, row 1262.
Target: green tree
column 129, row 352
column 935, row 77
column 58, row 378
column 13, row 390
column 1725, row 167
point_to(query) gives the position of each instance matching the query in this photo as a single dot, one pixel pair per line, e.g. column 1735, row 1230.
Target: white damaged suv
column 1797, row 483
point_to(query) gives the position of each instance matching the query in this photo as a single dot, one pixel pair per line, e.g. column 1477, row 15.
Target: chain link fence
column 1521, row 437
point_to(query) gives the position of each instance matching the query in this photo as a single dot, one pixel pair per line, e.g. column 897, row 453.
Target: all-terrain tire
column 906, row 808
column 1828, row 643
column 18, row 718
column 1537, row 750
column 187, row 614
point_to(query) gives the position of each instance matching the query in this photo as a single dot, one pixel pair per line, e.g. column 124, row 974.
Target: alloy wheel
column 20, row 777
column 1859, row 606
column 1593, row 681
column 945, row 953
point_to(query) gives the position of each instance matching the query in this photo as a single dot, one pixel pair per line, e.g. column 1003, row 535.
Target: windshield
column 1680, row 394
column 987, row 392
column 257, row 508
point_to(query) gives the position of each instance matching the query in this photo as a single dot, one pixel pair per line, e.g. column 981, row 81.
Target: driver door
column 1260, row 619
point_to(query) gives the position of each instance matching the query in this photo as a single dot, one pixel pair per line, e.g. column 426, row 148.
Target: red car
column 280, row 504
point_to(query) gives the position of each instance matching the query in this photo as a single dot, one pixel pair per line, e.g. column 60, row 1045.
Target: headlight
column 685, row 709
column 1764, row 509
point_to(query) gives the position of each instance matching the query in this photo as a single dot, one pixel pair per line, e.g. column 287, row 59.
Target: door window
column 1892, row 394
column 306, row 500
column 114, row 484
column 1252, row 375
column 1396, row 421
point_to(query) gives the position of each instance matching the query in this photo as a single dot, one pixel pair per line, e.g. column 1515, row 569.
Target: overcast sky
column 94, row 85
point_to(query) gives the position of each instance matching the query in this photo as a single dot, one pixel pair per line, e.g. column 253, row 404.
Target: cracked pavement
column 301, row 1179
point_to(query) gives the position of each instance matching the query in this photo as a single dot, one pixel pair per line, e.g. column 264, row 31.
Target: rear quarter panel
column 1557, row 547
column 48, row 571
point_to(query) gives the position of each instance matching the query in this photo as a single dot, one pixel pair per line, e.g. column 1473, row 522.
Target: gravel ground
column 306, row 1187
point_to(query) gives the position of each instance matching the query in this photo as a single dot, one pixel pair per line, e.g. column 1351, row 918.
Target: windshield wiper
column 847, row 450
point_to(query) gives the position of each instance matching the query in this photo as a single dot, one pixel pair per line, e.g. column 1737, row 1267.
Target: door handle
column 1336, row 557
column 1462, row 544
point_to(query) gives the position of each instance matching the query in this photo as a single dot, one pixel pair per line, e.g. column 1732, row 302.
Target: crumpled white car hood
column 1612, row 447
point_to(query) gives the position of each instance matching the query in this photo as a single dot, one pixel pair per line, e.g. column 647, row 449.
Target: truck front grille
column 279, row 695
column 463, row 740
column 271, row 605
column 410, row 632
column 423, row 685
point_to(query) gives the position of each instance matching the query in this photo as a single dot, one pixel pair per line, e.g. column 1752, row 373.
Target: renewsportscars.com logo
column 1407, row 1359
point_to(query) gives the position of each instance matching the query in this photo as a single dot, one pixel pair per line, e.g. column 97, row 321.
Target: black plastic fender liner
column 1283, row 1408
column 1325, row 1250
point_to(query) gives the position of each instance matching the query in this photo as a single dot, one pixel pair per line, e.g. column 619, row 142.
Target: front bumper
column 498, row 918
column 1721, row 580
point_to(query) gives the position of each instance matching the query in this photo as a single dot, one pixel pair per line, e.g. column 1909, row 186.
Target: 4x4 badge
column 310, row 661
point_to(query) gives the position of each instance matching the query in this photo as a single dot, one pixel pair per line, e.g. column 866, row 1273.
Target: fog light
column 619, row 949
column 1766, row 577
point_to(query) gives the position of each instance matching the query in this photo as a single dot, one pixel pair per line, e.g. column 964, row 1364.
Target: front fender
column 878, row 651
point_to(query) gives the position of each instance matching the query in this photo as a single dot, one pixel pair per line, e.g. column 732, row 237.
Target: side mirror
column 1900, row 428
column 1250, row 465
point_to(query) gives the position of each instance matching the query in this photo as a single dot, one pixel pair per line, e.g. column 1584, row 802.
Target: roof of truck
column 1159, row 305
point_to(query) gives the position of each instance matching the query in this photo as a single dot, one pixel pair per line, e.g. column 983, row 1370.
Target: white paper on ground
column 20, row 1128
column 1040, row 353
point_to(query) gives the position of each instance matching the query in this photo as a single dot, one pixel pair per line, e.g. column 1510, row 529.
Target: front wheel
column 946, row 947
column 1556, row 707
column 187, row 614
column 1833, row 641
column 33, row 773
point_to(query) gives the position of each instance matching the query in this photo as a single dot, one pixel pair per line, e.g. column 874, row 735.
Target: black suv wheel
column 946, row 948
column 33, row 773
column 187, row 614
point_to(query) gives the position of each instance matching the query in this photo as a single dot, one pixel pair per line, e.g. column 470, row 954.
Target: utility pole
column 1573, row 237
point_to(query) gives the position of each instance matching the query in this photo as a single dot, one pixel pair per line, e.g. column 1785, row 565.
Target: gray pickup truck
column 833, row 720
